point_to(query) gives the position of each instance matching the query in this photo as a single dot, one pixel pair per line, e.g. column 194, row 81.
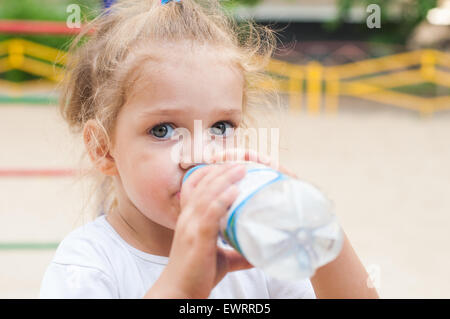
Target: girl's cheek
column 153, row 175
column 153, row 187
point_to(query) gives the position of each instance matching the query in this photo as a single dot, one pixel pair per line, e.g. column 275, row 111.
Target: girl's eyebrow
column 173, row 111
column 227, row 111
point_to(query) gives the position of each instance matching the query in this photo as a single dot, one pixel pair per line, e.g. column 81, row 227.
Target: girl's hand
column 250, row 155
column 196, row 264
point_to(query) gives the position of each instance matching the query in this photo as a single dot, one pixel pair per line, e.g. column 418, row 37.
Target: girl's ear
column 95, row 140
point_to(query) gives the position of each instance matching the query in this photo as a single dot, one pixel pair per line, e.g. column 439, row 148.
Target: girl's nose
column 186, row 162
column 195, row 153
column 185, row 165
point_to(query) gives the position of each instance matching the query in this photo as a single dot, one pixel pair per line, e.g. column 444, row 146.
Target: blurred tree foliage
column 398, row 18
column 230, row 4
column 56, row 10
column 44, row 10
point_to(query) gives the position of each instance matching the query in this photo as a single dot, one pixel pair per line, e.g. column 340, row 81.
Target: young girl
column 148, row 69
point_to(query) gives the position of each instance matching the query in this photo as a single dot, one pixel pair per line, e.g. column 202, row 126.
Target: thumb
column 229, row 260
column 235, row 261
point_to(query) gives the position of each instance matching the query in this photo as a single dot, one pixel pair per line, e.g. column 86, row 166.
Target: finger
column 272, row 163
column 214, row 185
column 235, row 261
column 220, row 205
column 197, row 188
column 253, row 156
column 240, row 154
column 196, row 176
column 193, row 180
column 229, row 260
column 234, row 154
column 208, row 219
column 285, row 171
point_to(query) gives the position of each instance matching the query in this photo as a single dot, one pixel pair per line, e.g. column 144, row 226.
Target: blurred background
column 365, row 86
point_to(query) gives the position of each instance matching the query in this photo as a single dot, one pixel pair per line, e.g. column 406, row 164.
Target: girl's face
column 171, row 94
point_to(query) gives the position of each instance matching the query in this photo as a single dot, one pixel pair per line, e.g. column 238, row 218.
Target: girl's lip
column 178, row 195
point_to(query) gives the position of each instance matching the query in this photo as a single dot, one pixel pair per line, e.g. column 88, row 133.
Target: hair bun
column 167, row 1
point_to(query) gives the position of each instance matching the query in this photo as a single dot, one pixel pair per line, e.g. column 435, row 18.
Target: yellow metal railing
column 313, row 87
column 371, row 79
column 33, row 58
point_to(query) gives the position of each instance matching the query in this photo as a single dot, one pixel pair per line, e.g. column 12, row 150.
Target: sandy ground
column 386, row 171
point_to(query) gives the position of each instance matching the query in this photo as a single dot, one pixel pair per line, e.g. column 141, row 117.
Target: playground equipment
column 40, row 60
column 312, row 87
column 36, row 27
column 371, row 79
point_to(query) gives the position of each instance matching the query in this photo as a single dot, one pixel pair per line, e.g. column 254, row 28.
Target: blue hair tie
column 167, row 1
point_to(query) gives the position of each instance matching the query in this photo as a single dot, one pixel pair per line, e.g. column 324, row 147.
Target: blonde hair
column 98, row 78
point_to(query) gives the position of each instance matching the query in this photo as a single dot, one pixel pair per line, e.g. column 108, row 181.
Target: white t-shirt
column 93, row 261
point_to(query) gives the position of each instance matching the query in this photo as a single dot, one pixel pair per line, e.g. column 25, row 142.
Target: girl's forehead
column 187, row 51
column 175, row 60
column 187, row 79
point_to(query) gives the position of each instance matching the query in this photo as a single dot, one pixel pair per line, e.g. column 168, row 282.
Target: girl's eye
column 162, row 131
column 220, row 128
